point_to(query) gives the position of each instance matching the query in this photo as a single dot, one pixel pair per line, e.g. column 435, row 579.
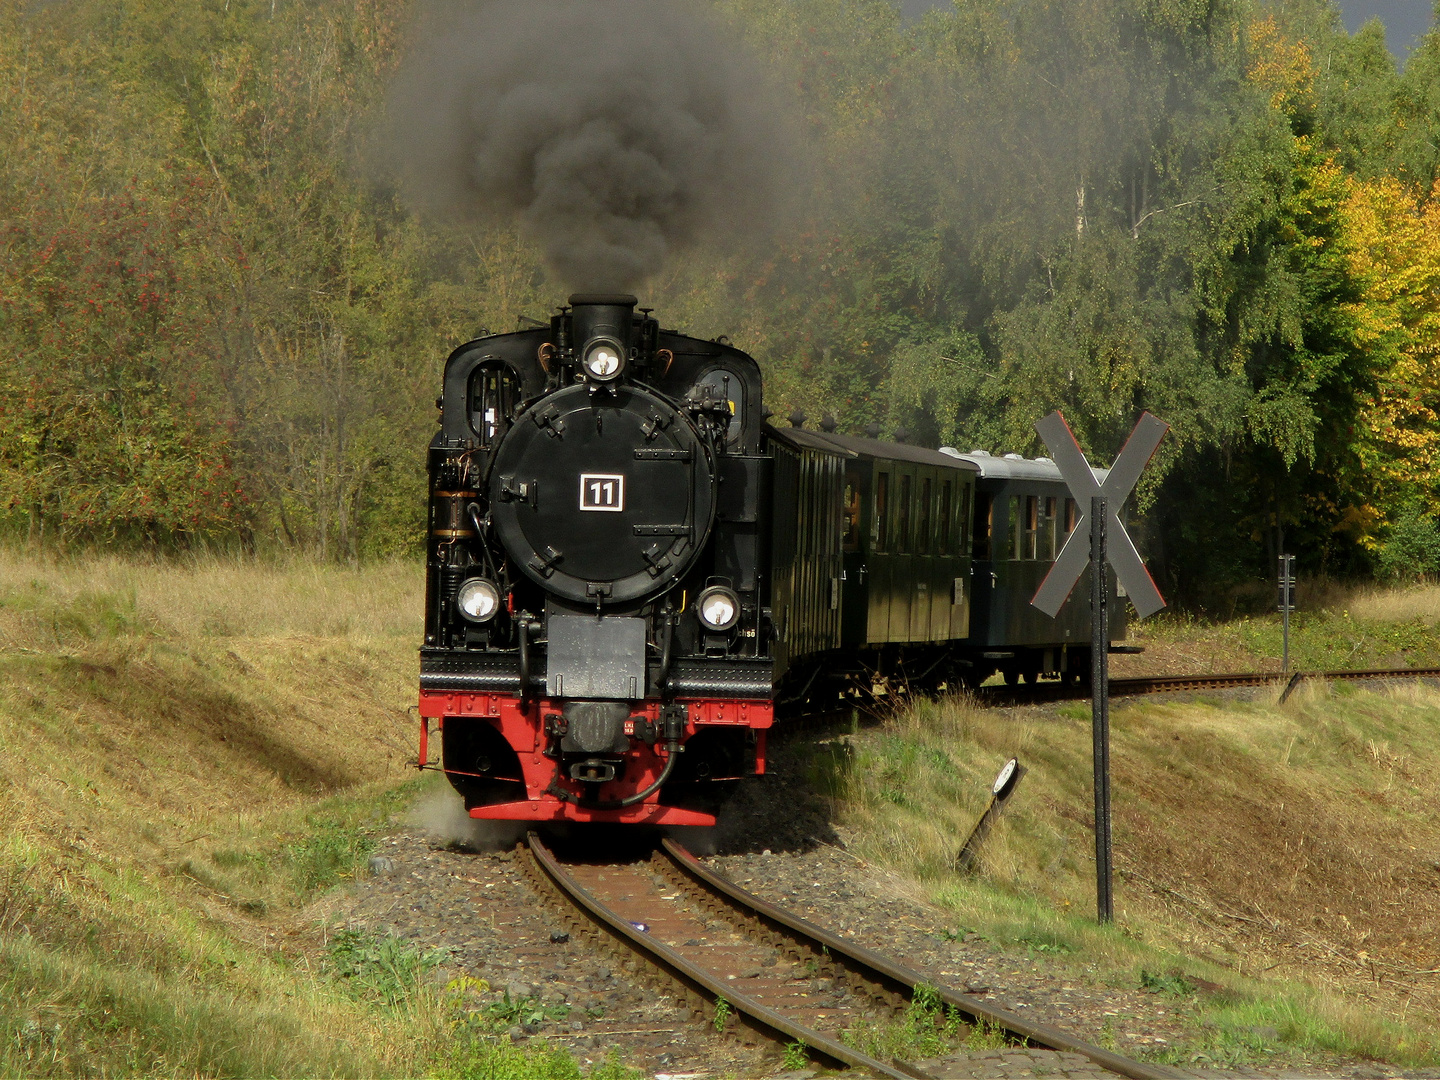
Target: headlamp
column 718, row 608
column 604, row 359
column 478, row 600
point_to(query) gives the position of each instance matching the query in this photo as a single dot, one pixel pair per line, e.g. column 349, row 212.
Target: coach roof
column 1014, row 467
column 854, row 446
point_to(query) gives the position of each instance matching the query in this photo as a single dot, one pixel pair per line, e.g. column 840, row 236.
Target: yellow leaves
column 1395, row 253
column 1283, row 68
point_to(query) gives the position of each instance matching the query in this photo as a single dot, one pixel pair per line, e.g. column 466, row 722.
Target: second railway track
column 786, row 978
column 1163, row 684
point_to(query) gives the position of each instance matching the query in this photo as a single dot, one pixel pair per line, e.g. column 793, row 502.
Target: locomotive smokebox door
column 591, row 657
column 605, row 498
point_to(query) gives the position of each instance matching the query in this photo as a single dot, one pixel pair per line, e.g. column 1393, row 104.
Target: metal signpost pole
column 1100, row 705
column 1287, row 604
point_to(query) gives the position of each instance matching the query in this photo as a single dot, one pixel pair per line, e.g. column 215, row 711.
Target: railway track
column 736, row 955
column 1162, row 684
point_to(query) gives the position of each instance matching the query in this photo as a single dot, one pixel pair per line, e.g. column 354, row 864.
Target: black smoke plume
column 617, row 131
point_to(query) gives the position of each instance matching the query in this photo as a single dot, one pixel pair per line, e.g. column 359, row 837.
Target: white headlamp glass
column 603, row 360
column 719, row 608
column 478, row 600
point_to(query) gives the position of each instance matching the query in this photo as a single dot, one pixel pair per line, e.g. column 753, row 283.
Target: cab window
column 494, row 390
column 729, row 386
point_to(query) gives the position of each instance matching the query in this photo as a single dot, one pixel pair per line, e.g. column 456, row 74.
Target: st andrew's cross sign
column 1100, row 510
column 1074, row 556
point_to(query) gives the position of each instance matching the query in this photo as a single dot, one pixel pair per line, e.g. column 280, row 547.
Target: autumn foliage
column 222, row 322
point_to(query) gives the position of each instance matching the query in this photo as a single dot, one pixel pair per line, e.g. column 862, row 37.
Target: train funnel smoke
column 617, row 131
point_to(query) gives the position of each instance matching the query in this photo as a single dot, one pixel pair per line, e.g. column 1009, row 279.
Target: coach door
column 877, row 565
column 902, row 568
column 922, row 557
column 854, row 554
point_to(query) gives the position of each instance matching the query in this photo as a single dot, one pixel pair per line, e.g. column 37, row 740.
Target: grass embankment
column 1288, row 853
column 190, row 756
column 1335, row 629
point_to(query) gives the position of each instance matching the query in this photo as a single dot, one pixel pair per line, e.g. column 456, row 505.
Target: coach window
column 1047, row 528
column 902, row 531
column 1069, row 517
column 923, row 520
column 1032, row 526
column 984, row 525
column 964, row 522
column 942, row 541
column 882, row 512
column 850, row 513
column 1015, row 521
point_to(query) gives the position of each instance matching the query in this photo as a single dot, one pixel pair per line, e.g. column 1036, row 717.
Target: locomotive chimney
column 600, row 331
column 601, row 315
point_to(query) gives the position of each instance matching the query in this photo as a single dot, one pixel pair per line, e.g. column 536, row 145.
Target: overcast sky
column 1405, row 20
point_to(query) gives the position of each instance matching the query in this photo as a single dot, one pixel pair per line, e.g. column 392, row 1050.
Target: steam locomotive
column 629, row 568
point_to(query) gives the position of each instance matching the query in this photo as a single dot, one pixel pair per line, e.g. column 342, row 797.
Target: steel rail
column 698, row 978
column 897, row 977
column 1162, row 684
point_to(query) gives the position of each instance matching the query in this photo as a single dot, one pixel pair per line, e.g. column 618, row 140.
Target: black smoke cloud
column 618, row 132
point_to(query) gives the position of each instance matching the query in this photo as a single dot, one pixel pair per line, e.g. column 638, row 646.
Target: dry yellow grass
column 1420, row 602
column 173, row 739
column 209, row 597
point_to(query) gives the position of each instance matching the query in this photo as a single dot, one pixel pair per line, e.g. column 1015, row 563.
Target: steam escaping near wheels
column 616, row 131
column 441, row 814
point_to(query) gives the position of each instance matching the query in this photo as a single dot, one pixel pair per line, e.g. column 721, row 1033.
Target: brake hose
column 671, row 745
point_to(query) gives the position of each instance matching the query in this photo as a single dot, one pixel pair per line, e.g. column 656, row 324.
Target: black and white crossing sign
column 602, row 491
column 1130, row 569
column 1100, row 520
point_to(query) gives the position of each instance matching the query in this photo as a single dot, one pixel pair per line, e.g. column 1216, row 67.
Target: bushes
column 1413, row 550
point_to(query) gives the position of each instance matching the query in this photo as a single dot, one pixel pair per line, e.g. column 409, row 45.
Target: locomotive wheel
column 1012, row 676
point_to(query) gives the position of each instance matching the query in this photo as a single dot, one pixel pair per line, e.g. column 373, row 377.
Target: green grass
column 1344, row 630
column 926, row 1029
column 1312, row 820
column 190, row 754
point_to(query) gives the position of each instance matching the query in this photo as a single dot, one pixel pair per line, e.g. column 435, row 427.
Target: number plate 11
column 602, row 491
